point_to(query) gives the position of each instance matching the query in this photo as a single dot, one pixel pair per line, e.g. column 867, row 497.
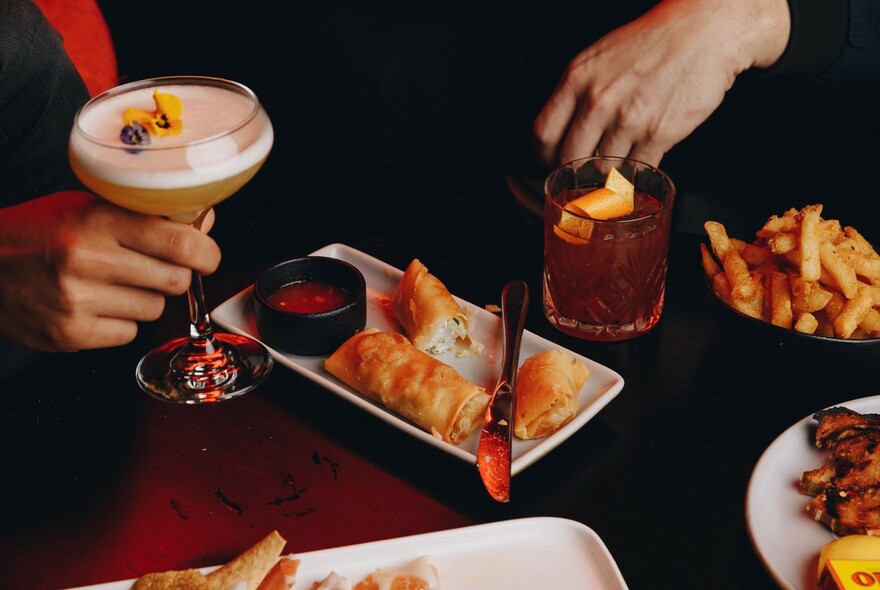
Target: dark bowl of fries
column 766, row 342
column 805, row 287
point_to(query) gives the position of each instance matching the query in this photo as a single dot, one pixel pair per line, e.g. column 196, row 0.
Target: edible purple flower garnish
column 134, row 134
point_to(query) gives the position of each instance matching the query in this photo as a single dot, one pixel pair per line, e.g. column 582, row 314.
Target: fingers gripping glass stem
column 203, row 160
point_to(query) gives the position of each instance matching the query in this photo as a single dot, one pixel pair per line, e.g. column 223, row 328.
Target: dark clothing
column 40, row 92
column 819, row 30
column 833, row 41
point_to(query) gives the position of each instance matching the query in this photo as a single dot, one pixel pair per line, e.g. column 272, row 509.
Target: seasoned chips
column 801, row 272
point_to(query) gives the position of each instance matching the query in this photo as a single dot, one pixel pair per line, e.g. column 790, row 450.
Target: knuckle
column 66, row 298
column 541, row 132
column 67, row 335
column 193, row 249
column 64, row 253
column 177, row 280
column 180, row 244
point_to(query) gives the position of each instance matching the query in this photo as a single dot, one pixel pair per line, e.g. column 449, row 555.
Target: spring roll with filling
column 547, row 388
column 385, row 366
column 432, row 319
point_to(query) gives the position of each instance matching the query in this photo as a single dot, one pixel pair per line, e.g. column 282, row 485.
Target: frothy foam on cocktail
column 173, row 162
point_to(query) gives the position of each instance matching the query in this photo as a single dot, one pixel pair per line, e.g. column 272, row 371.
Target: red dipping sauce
column 309, row 297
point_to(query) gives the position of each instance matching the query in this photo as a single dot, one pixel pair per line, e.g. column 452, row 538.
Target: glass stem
column 201, row 332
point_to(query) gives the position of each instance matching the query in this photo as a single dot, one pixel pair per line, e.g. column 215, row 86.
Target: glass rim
column 179, row 80
column 665, row 202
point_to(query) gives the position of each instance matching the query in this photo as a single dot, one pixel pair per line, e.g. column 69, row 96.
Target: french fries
column 801, row 272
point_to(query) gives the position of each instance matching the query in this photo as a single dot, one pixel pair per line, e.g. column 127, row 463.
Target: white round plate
column 784, row 535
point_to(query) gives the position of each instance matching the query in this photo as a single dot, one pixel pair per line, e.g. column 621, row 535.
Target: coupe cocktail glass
column 226, row 137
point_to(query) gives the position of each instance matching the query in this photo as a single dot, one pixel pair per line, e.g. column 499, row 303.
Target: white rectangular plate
column 526, row 553
column 237, row 315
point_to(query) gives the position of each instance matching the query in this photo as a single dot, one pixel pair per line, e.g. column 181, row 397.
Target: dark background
column 772, row 145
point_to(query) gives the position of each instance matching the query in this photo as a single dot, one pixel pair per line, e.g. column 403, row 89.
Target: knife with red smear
column 493, row 451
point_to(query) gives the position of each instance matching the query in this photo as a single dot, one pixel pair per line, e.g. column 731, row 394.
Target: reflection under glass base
column 204, row 371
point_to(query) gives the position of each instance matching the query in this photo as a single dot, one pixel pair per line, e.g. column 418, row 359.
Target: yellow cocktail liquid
column 180, row 204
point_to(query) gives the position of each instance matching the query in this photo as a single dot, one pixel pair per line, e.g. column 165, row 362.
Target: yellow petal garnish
column 132, row 114
column 168, row 104
column 165, row 120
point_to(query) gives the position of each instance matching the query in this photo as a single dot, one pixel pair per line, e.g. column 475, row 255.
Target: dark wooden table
column 102, row 483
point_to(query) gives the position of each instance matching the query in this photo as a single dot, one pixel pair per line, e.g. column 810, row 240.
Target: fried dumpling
column 547, row 388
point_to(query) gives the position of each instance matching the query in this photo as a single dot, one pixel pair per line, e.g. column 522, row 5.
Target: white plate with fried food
column 539, row 552
column 603, row 384
column 784, row 534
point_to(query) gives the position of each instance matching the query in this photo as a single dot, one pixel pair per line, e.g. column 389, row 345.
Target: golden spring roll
column 547, row 388
column 428, row 312
column 386, row 367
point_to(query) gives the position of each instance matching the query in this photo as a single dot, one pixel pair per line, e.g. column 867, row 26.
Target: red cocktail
column 605, row 279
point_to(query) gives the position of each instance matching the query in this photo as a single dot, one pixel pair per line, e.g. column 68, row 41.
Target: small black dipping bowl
column 310, row 333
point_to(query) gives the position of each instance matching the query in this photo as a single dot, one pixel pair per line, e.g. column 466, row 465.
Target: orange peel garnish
column 602, row 203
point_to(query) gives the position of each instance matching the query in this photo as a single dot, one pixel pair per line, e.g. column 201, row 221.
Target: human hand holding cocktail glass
column 175, row 147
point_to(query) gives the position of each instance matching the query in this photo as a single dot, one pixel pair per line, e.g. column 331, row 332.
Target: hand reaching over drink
column 80, row 273
column 645, row 86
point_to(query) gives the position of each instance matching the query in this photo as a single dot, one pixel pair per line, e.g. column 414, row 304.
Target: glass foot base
column 183, row 371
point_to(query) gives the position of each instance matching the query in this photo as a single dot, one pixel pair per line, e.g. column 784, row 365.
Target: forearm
column 750, row 33
column 770, row 30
